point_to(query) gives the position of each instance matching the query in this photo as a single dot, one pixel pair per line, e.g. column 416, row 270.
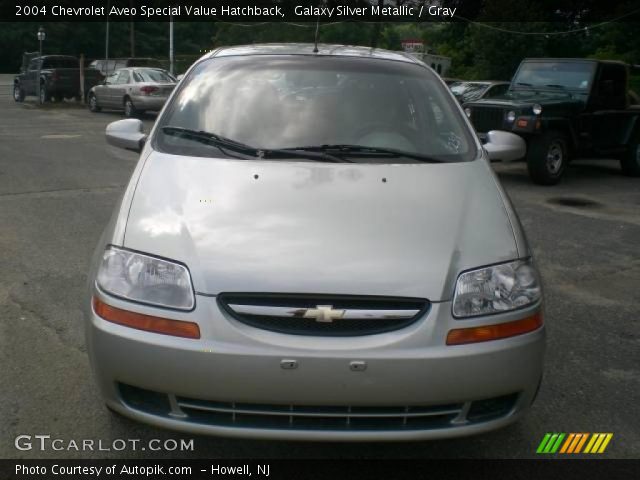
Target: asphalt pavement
column 59, row 181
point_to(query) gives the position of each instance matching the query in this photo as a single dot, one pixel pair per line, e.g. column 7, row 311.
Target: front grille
column 323, row 315
column 485, row 119
column 321, row 417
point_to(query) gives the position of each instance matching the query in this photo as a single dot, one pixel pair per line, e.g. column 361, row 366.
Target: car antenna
column 315, row 46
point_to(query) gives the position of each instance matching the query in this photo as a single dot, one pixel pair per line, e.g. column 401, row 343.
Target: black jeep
column 565, row 108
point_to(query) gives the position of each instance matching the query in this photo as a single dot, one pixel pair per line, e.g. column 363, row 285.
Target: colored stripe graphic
column 605, row 443
column 543, row 443
column 594, row 437
column 599, row 442
column 555, row 447
column 581, row 443
column 567, row 443
column 573, row 443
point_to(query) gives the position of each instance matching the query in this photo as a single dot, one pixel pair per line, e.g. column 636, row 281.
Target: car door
column 30, row 76
column 103, row 91
column 119, row 88
column 607, row 122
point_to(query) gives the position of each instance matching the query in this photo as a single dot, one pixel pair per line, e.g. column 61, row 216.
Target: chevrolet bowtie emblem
column 324, row 313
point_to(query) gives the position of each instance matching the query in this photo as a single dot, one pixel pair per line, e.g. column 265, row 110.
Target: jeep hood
column 305, row 227
column 526, row 98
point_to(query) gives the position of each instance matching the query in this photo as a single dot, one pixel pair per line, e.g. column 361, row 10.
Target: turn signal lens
column 522, row 122
column 176, row 328
column 485, row 333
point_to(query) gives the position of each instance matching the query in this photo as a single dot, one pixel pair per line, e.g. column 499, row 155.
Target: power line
column 566, row 32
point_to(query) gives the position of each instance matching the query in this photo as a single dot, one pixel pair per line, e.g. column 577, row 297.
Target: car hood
column 305, row 227
column 526, row 97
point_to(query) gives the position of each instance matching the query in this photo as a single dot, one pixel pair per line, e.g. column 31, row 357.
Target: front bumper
column 237, row 381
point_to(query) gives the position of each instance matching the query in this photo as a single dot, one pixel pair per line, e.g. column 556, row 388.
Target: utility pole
column 171, row 66
column 132, row 35
column 132, row 39
column 106, row 42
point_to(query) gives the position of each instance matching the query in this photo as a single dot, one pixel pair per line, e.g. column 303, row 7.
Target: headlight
column 511, row 116
column 468, row 112
column 499, row 288
column 537, row 109
column 141, row 278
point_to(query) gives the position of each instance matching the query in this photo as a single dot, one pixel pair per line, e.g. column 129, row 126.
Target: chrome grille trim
column 292, row 412
column 323, row 314
column 348, row 314
column 344, row 418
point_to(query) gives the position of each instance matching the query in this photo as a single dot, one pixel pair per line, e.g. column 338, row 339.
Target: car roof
column 576, row 60
column 308, row 49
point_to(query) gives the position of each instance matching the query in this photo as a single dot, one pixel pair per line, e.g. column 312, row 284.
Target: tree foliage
column 489, row 47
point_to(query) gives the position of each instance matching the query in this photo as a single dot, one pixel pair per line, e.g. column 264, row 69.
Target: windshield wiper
column 224, row 143
column 209, row 138
column 346, row 150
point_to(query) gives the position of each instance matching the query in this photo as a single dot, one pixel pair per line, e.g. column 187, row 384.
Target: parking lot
column 59, row 181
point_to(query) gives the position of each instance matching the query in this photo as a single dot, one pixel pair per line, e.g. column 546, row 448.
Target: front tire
column 547, row 158
column 44, row 95
column 630, row 162
column 18, row 93
column 129, row 109
column 93, row 104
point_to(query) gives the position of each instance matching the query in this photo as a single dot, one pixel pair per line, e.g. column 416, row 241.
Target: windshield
column 559, row 75
column 469, row 91
column 153, row 75
column 299, row 102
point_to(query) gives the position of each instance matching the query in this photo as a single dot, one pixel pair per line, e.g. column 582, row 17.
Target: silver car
column 313, row 246
column 133, row 90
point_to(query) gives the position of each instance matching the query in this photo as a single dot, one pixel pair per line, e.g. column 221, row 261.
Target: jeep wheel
column 630, row 162
column 547, row 158
column 93, row 103
column 18, row 93
column 129, row 109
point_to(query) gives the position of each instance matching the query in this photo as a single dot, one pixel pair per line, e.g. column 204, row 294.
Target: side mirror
column 505, row 146
column 128, row 134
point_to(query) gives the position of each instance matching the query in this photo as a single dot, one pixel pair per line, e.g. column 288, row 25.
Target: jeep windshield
column 314, row 108
column 560, row 77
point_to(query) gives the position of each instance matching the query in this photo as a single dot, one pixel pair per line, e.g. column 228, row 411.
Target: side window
column 33, row 64
column 611, row 89
column 111, row 79
column 123, row 77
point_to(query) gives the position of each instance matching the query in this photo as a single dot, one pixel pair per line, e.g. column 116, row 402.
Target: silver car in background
column 133, row 90
column 313, row 246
